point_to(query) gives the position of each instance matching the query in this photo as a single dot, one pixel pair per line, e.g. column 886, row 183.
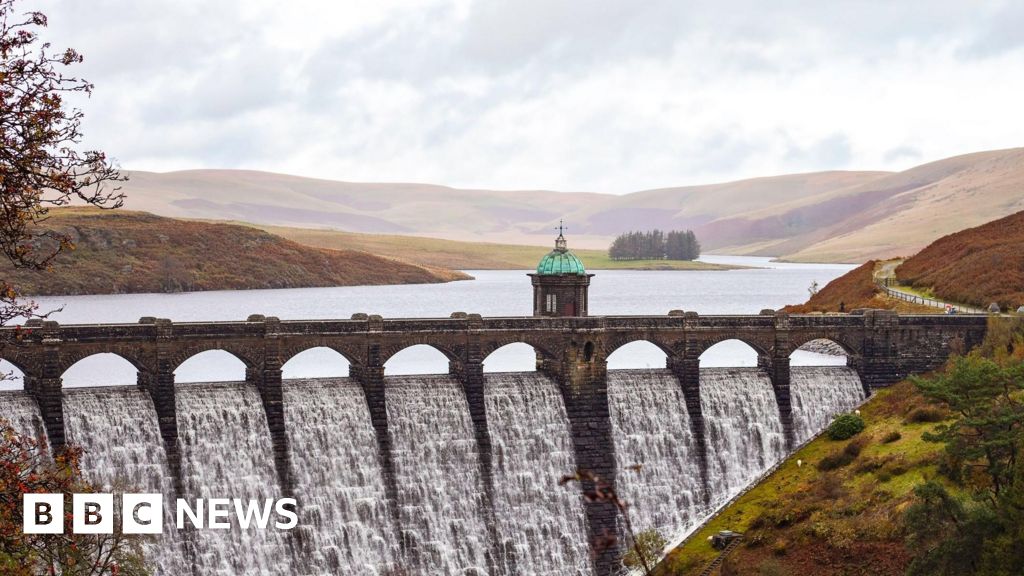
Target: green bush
column 845, row 426
column 646, row 550
column 927, row 414
column 891, row 437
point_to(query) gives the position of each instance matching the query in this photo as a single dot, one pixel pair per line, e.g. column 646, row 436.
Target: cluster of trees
column 971, row 521
column 655, row 245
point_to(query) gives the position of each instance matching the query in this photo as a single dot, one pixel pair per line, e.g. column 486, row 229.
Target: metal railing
column 885, row 284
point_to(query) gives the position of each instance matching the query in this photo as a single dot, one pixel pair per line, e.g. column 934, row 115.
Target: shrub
column 837, row 459
column 646, row 550
column 927, row 414
column 845, row 426
column 891, row 437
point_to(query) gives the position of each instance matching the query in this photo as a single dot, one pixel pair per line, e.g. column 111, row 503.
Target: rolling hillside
column 978, row 266
column 826, row 216
column 127, row 252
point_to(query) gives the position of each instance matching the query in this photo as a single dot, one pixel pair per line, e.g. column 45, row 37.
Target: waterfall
column 652, row 430
column 117, row 429
column 541, row 526
column 21, row 410
column 344, row 524
column 442, row 508
column 818, row 393
column 742, row 427
column 226, row 453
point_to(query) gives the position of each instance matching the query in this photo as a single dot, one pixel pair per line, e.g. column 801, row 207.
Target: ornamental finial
column 560, row 243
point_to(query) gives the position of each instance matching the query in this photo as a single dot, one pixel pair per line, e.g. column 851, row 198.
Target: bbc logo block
column 92, row 513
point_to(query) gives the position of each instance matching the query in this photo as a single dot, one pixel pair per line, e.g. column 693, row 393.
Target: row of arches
column 107, row 369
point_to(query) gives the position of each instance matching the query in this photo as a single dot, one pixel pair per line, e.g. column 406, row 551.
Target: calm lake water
column 492, row 293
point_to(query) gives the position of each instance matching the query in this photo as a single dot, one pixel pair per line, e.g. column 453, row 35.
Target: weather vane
column 561, row 227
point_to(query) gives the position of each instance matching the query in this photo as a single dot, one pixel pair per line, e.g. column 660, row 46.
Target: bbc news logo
column 144, row 513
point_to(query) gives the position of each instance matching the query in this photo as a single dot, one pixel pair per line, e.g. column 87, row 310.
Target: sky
column 599, row 95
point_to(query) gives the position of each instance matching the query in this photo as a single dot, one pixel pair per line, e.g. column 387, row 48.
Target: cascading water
column 442, row 508
column 742, row 427
column 652, row 430
column 541, row 526
column 818, row 393
column 21, row 410
column 226, row 453
column 344, row 524
column 117, row 429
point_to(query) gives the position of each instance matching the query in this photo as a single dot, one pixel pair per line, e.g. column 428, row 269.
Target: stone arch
column 214, row 376
column 108, row 369
column 451, row 353
column 544, row 347
column 353, row 354
column 763, row 347
column 322, row 355
column 797, row 340
column 245, row 354
column 421, row 349
column 730, row 355
column 638, row 353
column 130, row 353
column 13, row 375
column 518, row 357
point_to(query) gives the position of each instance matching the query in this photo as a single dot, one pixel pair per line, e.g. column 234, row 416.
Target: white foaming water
column 21, row 410
column 541, row 526
column 818, row 393
column 226, row 453
column 652, row 430
column 344, row 524
column 742, row 427
column 118, row 432
column 442, row 507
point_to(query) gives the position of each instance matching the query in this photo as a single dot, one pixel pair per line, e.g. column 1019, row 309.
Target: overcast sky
column 599, row 95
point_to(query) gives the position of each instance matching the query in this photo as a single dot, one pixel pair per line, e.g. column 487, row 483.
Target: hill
column 457, row 255
column 856, row 289
column 977, row 266
column 128, row 252
column 825, row 216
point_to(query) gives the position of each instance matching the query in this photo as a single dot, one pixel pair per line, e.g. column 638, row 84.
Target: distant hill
column 128, row 252
column 977, row 266
column 458, row 255
column 825, row 216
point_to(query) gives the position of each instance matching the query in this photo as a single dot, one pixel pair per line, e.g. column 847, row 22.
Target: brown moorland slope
column 855, row 289
column 977, row 266
column 130, row 252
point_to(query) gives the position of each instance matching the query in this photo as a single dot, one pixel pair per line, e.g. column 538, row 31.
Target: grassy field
column 803, row 520
column 466, row 255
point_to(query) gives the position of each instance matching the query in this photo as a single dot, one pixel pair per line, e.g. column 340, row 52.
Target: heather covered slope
column 977, row 266
column 856, row 289
column 127, row 252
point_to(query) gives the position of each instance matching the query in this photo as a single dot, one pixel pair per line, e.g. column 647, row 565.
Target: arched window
column 104, row 369
column 516, row 357
column 11, row 377
column 819, row 352
column 211, row 366
column 729, row 353
column 320, row 362
column 637, row 354
column 418, row 359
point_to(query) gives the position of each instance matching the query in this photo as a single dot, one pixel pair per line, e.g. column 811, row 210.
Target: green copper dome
column 560, row 261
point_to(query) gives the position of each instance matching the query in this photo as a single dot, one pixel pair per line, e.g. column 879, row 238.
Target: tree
column 26, row 468
column 41, row 163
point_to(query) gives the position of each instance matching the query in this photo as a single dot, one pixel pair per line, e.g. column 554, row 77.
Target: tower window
column 552, row 303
